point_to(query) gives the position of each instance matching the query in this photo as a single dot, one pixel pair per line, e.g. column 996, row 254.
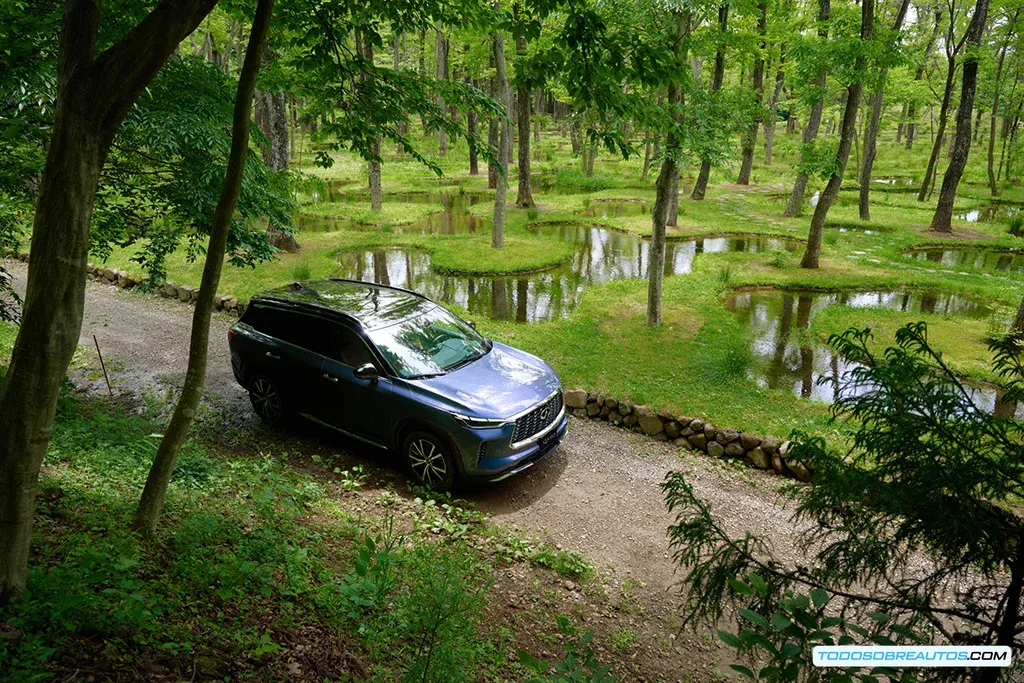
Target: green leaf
column 752, row 616
column 743, row 670
column 781, row 622
column 730, row 639
column 820, row 597
column 740, row 587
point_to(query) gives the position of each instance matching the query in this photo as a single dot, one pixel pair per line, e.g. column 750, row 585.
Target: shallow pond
column 599, row 255
column 787, row 359
column 614, row 208
column 980, row 259
column 1000, row 211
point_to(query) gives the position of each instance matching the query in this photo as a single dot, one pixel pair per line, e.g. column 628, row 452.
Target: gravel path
column 598, row 493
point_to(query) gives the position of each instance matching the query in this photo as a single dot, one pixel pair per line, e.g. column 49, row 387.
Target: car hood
column 501, row 384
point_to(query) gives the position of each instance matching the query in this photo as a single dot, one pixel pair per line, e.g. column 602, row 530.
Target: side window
column 348, row 347
column 305, row 331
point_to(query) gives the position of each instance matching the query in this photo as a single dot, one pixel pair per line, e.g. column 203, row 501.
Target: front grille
column 537, row 419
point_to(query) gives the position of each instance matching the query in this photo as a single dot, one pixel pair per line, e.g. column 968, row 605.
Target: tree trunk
column 423, row 69
column 847, row 134
column 524, row 197
column 796, row 198
column 943, row 219
column 773, row 108
column 995, row 113
column 666, row 185
column 700, row 186
column 442, row 75
column 93, row 96
column 647, row 156
column 151, row 504
column 750, row 136
column 504, row 143
column 397, row 42
column 871, row 129
column 911, row 108
column 940, row 132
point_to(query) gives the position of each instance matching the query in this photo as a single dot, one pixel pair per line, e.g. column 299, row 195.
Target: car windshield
column 429, row 344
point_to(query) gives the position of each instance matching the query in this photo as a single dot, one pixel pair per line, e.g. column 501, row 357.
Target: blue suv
column 398, row 371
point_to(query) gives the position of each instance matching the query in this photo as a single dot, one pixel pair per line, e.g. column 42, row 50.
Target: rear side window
column 349, row 348
column 305, row 331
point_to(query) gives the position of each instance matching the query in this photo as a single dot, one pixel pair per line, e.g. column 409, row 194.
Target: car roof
column 371, row 305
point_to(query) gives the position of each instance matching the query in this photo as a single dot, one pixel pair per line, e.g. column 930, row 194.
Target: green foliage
column 575, row 178
column 579, row 664
column 929, row 474
column 781, row 640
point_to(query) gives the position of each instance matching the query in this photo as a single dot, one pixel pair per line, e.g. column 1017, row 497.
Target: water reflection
column 599, row 255
column 994, row 212
column 614, row 208
column 980, row 259
column 453, row 217
column 788, row 358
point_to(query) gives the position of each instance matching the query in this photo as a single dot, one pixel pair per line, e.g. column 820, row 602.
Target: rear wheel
column 430, row 461
column 266, row 400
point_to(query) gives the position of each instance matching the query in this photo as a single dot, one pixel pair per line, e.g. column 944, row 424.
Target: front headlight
column 478, row 423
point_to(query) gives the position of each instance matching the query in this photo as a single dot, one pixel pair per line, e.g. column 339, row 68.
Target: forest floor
column 597, row 497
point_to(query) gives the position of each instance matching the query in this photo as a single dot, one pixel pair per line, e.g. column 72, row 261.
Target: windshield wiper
column 427, row 375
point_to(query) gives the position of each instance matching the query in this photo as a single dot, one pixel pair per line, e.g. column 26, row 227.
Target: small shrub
column 579, row 664
column 532, row 213
column 1016, row 225
column 301, row 271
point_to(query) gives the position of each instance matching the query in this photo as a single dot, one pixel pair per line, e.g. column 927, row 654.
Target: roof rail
column 375, row 284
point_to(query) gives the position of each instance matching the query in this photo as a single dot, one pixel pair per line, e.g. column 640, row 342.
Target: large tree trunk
column 272, row 118
column 943, row 219
column 504, row 143
column 848, row 131
column 750, row 136
column 93, row 96
column 524, row 197
column 871, row 129
column 666, row 185
column 151, row 504
column 700, row 186
column 796, row 198
column 940, row 131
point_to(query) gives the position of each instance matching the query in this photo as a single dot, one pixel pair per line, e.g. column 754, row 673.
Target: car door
column 293, row 348
column 360, row 407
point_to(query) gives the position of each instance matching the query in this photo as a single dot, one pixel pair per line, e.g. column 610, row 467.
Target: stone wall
column 693, row 433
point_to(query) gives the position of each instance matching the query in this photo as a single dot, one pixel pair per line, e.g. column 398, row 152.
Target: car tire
column 267, row 401
column 429, row 461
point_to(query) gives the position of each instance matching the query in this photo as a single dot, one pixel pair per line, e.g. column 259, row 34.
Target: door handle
column 329, row 378
column 272, row 355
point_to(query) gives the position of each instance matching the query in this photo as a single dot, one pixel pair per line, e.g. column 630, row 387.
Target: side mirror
column 472, row 323
column 367, row 371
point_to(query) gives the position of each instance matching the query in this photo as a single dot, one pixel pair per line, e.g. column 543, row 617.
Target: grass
column 266, row 560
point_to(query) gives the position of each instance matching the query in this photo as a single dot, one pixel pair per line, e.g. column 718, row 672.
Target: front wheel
column 429, row 461
column 266, row 400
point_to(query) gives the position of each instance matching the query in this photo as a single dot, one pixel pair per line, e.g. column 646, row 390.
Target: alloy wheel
column 265, row 399
column 427, row 462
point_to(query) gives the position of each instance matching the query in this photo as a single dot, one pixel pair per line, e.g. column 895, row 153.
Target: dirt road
column 598, row 493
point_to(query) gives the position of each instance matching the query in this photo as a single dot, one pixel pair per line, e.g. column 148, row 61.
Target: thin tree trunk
column 524, row 197
column 943, row 219
column 796, row 198
column 403, row 127
column 93, row 95
column 376, row 203
column 442, row 75
column 700, row 186
column 995, row 113
column 151, row 505
column 665, row 186
column 647, row 156
column 504, row 143
column 940, row 132
column 750, row 136
column 871, row 129
column 773, row 109
column 847, row 133
column 911, row 109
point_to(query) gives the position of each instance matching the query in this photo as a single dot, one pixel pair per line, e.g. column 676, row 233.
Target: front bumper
column 505, row 464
